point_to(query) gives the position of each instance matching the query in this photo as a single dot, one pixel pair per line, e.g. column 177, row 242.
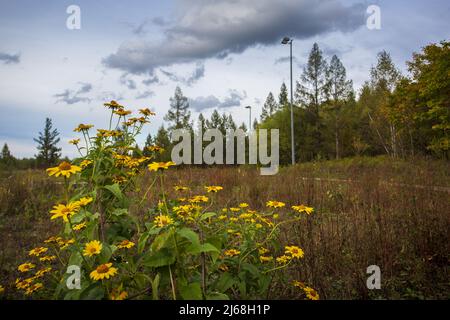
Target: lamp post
column 287, row 40
column 249, row 118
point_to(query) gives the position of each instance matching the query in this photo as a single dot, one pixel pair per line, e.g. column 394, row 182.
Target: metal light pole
column 249, row 118
column 287, row 40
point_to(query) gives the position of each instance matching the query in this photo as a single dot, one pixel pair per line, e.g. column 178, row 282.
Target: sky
column 223, row 54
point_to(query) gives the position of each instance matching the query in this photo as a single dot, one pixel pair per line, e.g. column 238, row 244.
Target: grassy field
column 394, row 214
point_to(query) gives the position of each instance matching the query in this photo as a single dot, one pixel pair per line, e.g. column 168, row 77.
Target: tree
column 283, row 97
column 311, row 91
column 47, row 141
column 339, row 90
column 384, row 77
column 178, row 115
column 201, row 123
column 269, row 108
column 162, row 140
column 6, row 157
column 148, row 142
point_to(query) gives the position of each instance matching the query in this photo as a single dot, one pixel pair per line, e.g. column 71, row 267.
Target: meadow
column 390, row 213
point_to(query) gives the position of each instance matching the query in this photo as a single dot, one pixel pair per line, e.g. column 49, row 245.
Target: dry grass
column 368, row 211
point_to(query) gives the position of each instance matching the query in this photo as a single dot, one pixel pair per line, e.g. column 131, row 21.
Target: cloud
column 197, row 74
column 109, row 95
column 129, row 83
column 215, row 29
column 71, row 97
column 151, row 80
column 286, row 60
column 233, row 99
column 9, row 58
column 145, row 94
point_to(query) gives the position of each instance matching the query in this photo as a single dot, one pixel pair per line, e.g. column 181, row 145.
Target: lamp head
column 286, row 40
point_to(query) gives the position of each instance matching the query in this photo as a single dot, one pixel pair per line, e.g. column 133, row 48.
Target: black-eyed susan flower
column 84, row 201
column 213, row 189
column 233, row 209
column 42, row 272
column 198, row 199
column 231, row 252
column 74, row 141
column 117, row 294
column 47, row 258
column 53, row 239
column 83, row 127
column 311, row 294
column 33, row 288
column 302, row 208
column 265, row 259
column 63, row 244
column 298, row 284
column 275, row 204
column 65, row 211
column 37, row 251
column 243, row 205
column 25, row 267
column 283, row 259
column 91, row 248
column 146, row 112
column 125, row 244
column 155, row 166
column 85, row 163
column 112, row 105
column 23, row 284
column 64, row 169
column 103, row 271
column 122, row 112
column 163, row 220
column 155, row 149
column 294, row 251
column 80, row 226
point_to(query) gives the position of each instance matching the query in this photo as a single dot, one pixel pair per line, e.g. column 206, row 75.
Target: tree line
column 393, row 114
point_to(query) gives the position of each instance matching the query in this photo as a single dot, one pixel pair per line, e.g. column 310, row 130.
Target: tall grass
column 368, row 211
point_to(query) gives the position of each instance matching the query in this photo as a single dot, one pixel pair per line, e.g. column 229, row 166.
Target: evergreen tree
column 312, row 89
column 6, row 157
column 215, row 121
column 270, row 106
column 148, row 142
column 283, row 100
column 178, row 115
column 339, row 90
column 162, row 140
column 47, row 141
column 201, row 123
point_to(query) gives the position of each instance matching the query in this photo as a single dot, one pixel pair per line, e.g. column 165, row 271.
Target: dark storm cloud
column 9, row 58
column 207, row 29
column 74, row 96
column 233, row 99
column 286, row 60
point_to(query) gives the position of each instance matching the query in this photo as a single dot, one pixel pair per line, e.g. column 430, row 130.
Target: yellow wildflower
column 231, row 252
column 275, row 204
column 92, row 248
column 125, row 244
column 65, row 169
column 37, row 251
column 302, row 208
column 163, row 220
column 64, row 211
column 25, row 267
column 213, row 188
column 294, row 251
column 103, row 271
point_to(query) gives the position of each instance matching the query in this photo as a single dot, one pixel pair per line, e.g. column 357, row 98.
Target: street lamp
column 287, row 40
column 249, row 118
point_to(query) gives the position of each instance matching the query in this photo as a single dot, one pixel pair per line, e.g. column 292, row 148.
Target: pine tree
column 201, row 123
column 178, row 115
column 6, row 156
column 255, row 124
column 339, row 90
column 162, row 140
column 215, row 121
column 312, row 89
column 230, row 123
column 283, row 100
column 148, row 142
column 269, row 108
column 243, row 127
column 47, row 142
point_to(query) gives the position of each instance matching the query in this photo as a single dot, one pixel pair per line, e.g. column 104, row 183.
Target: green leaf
column 155, row 286
column 190, row 235
column 142, row 242
column 225, row 282
column 217, row 296
column 119, row 212
column 115, row 190
column 106, row 253
column 164, row 257
column 191, row 291
column 207, row 215
column 93, row 292
column 199, row 248
column 75, row 259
